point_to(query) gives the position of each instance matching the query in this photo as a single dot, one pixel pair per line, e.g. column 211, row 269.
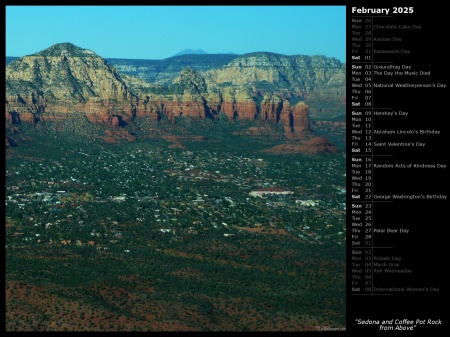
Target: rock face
column 317, row 80
column 271, row 107
column 63, row 79
column 266, row 88
column 163, row 72
column 300, row 118
column 275, row 72
column 238, row 104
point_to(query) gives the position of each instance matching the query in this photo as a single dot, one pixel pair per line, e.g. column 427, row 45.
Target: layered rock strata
column 56, row 82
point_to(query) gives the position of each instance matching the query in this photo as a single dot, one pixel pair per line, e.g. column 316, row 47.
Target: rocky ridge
column 52, row 84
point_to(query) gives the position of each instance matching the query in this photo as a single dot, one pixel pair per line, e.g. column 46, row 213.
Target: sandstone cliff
column 63, row 79
column 317, row 80
column 269, row 71
column 266, row 88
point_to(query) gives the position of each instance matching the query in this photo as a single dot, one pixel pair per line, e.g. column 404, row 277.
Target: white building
column 265, row 192
column 306, row 202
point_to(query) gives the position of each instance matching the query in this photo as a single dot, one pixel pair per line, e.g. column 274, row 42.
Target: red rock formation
column 246, row 111
column 115, row 121
column 295, row 120
column 171, row 106
column 311, row 146
column 189, row 107
column 238, row 104
column 213, row 103
column 64, row 79
column 229, row 109
column 300, row 118
column 286, row 119
column 271, row 107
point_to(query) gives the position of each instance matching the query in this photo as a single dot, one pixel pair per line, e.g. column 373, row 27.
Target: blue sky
column 159, row 32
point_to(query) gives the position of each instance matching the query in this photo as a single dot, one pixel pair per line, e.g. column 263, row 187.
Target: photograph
column 175, row 168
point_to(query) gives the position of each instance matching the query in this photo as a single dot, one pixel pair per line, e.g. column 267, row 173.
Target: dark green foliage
column 197, row 266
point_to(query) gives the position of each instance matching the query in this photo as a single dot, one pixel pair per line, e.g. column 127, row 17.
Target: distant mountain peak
column 65, row 49
column 191, row 51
